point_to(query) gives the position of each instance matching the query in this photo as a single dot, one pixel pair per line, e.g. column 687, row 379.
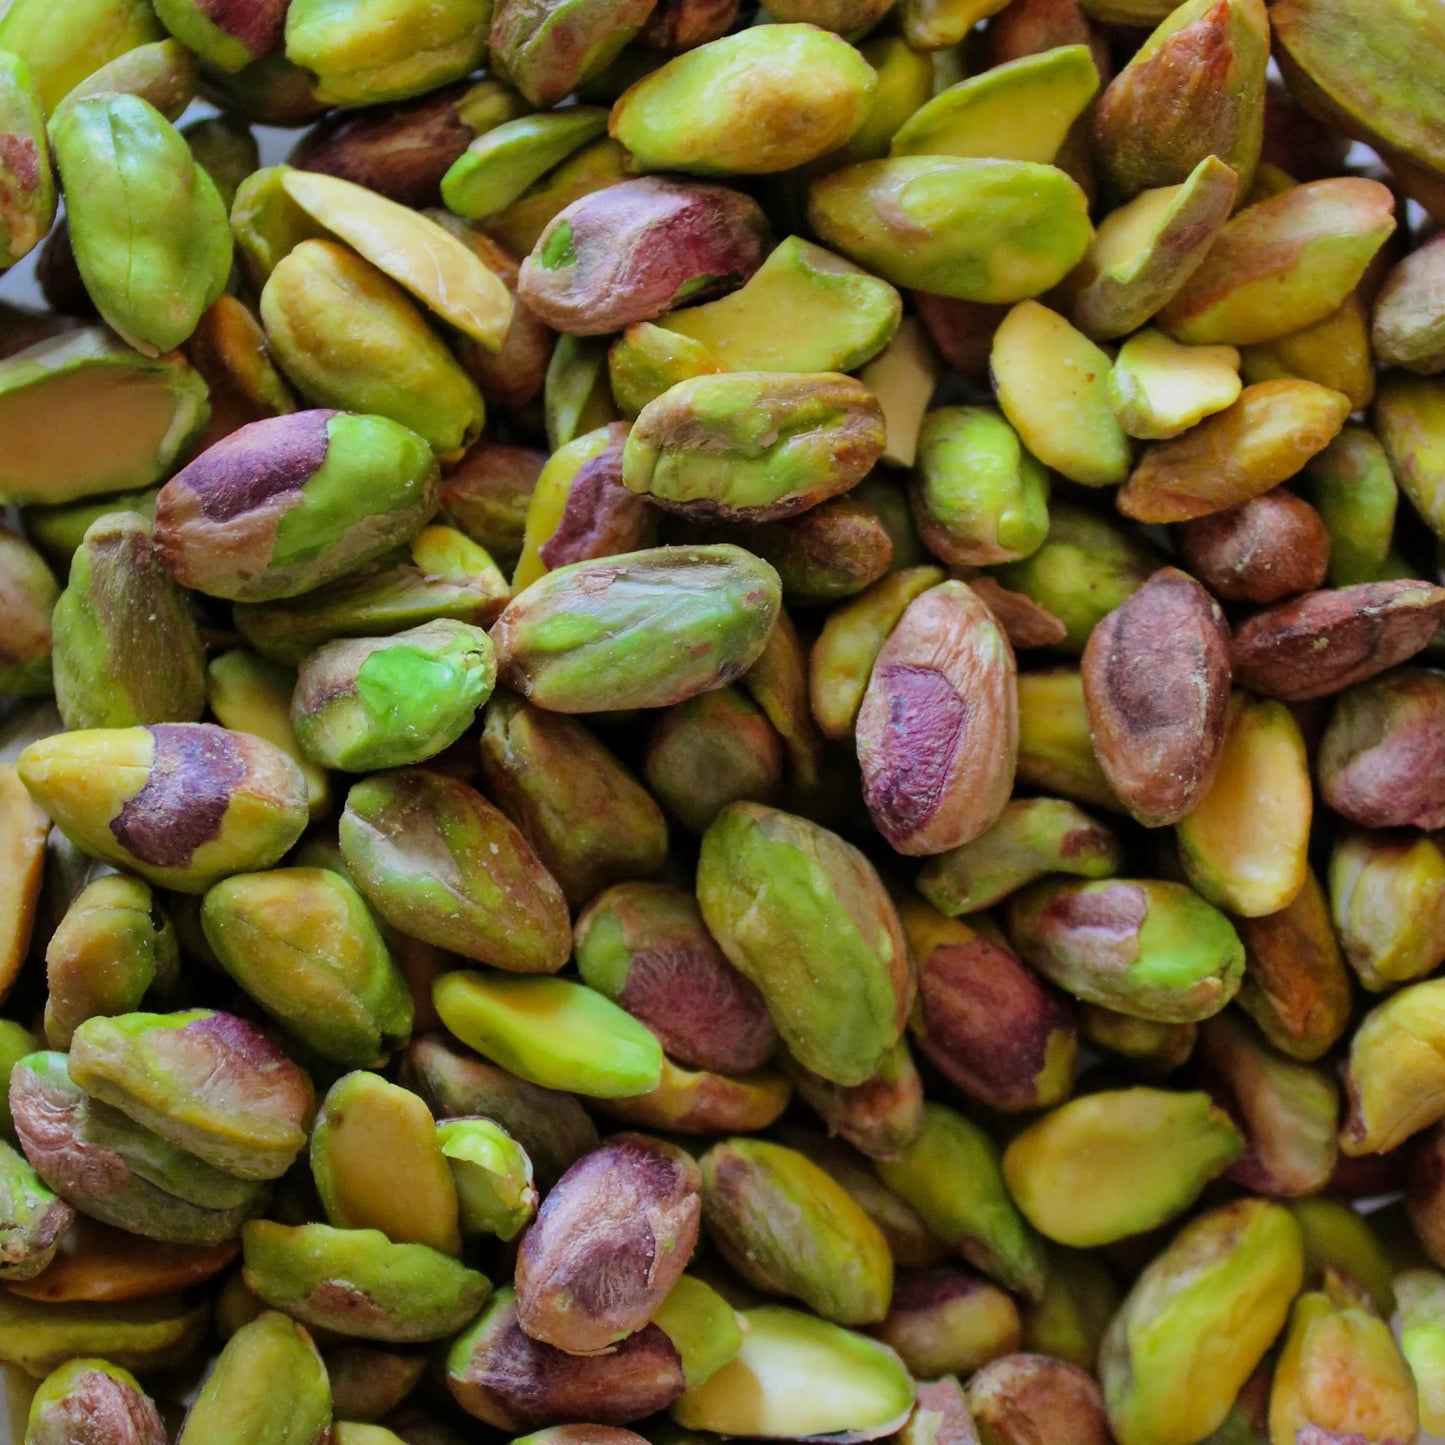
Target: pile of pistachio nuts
column 726, row 724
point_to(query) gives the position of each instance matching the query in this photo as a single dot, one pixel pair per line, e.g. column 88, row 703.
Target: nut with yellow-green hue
column 26, row 175
column 1159, row 388
column 28, row 593
column 32, row 1218
column 492, row 1175
column 1353, row 488
column 949, row 1322
column 92, row 1402
column 1387, row 897
column 61, row 51
column 1393, row 1081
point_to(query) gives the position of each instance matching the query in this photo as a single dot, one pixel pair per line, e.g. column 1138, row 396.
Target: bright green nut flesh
column 147, row 224
column 552, row 1032
column 499, row 166
column 60, row 51
column 303, row 944
column 492, row 1176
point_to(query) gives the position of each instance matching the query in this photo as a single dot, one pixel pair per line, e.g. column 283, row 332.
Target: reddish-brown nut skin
column 1030, row 27
column 1156, row 685
column 1322, row 642
column 1263, row 550
column 683, row 24
column 1296, row 142
column 636, row 250
column 949, row 1318
column 1027, row 624
column 1382, row 759
column 400, row 151
column 962, row 331
column 601, row 518
column 880, row 1117
column 486, row 495
column 546, row 47
column 1369, row 1176
column 1425, row 1191
column 990, row 1025
column 518, row 1384
column 608, row 1243
column 1023, row 1399
column 98, row 1409
column 938, row 728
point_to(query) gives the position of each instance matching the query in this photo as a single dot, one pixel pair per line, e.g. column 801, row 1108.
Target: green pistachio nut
column 59, row 395
column 1406, row 328
column 804, row 310
column 647, row 359
column 225, row 149
column 595, row 166
column 141, row 1335
column 127, row 650
column 949, row 1322
column 267, row 223
column 978, row 497
column 977, row 230
column 272, row 91
column 1198, row 1321
column 439, row 862
column 1397, row 1062
column 1079, row 1300
column 772, row 887
column 631, row 1206
column 499, row 1374
column 369, row 1133
column 703, row 1327
column 164, row 74
column 552, row 1032
column 787, row 1227
column 492, row 1176
column 112, row 946
column 15, row 1043
column 251, row 694
column 385, row 702
column 1194, row 88
column 358, row 1283
column 877, row 1117
column 1153, row 1049
column 302, row 943
column 952, row 1176
column 551, row 1127
column 441, row 574
column 147, row 224
column 1153, row 949
column 1409, row 418
column 589, row 820
column 1085, row 568
column 182, row 804
column 61, row 51
column 1033, row 836
column 1160, row 388
column 1112, row 1164
column 1352, row 487
column 938, row 24
column 576, row 398
column 92, row 1402
column 720, row 109
column 499, row 166
column 227, row 40
column 26, row 173
column 547, row 48
column 714, row 749
column 339, row 490
column 32, row 1217
column 697, row 1101
column 365, row 51
column 1387, row 896
column 29, row 592
column 1422, row 1339
column 1343, row 1251
column 753, row 446
column 269, row 1382
column 641, row 630
column 350, row 337
column 209, row 1082
column 114, row 1170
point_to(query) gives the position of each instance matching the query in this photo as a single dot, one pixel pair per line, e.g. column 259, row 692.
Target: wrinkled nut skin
column 1153, row 949
column 546, row 48
column 587, row 818
column 608, row 1243
column 988, row 1024
column 789, row 1228
column 1382, row 758
column 439, row 862
column 92, row 1402
column 1156, row 677
column 753, row 446
column 182, row 804
column 274, row 509
column 646, row 947
column 1195, row 88
column 209, row 1082
column 637, row 250
column 506, row 1379
column 1260, row 551
column 1020, row 1399
column 1323, row 642
column 938, row 728
column 774, row 890
column 830, row 552
column 646, row 629
column 1395, row 1078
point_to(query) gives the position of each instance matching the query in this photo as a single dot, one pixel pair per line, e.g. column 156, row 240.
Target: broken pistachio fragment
column 358, row 1283
column 182, row 804
column 497, row 168
column 209, row 1082
column 269, row 1381
column 1153, row 949
column 797, row 1377
column 1159, row 388
column 492, row 1176
column 439, row 862
column 551, row 1031
column 93, row 1402
column 787, row 1227
column 774, row 889
column 609, row 1243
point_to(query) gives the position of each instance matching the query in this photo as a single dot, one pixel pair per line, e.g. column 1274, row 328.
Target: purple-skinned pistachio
column 637, row 250
column 288, row 503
